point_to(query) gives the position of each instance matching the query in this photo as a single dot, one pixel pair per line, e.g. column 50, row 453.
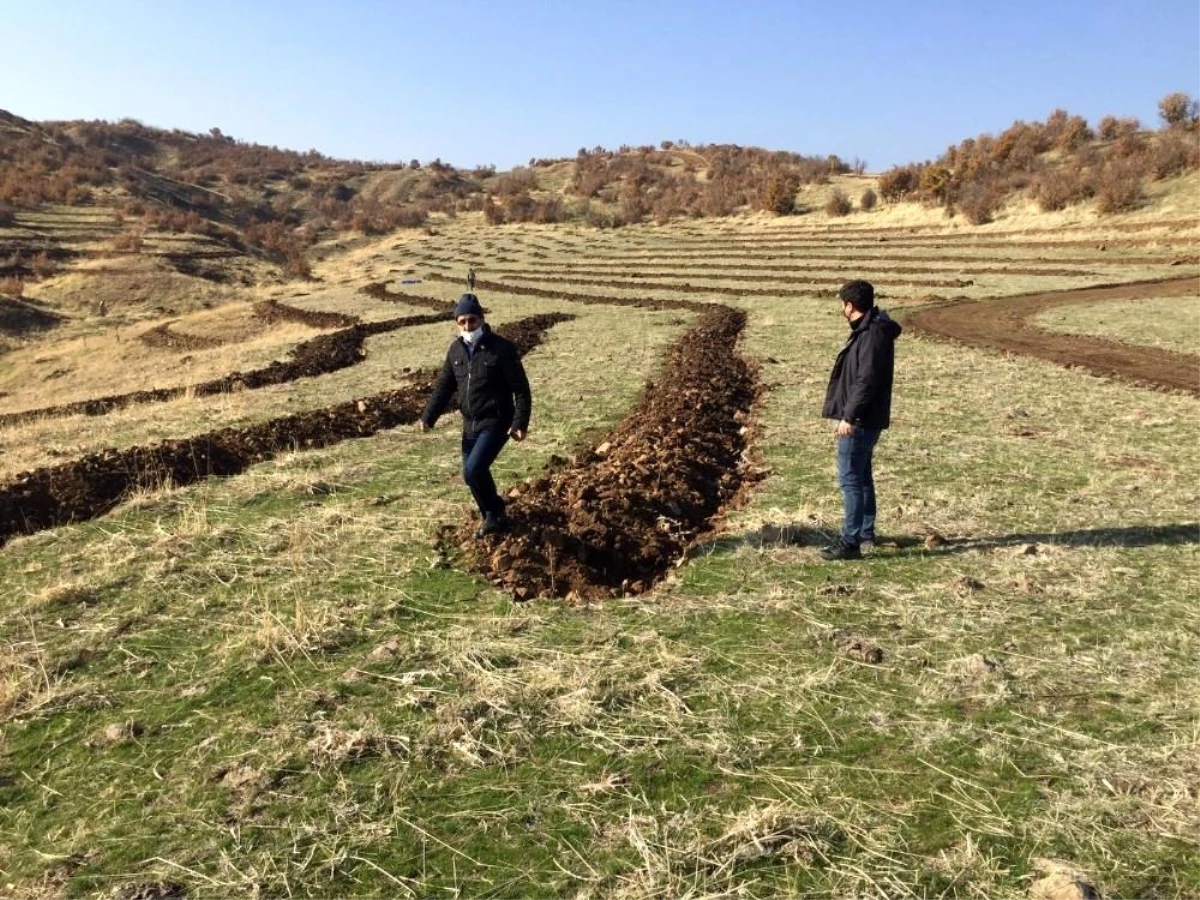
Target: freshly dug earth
column 91, row 486
column 622, row 514
column 1004, row 323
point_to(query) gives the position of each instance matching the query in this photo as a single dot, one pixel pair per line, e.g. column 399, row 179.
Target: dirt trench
column 93, row 485
column 1005, row 323
column 319, row 356
column 622, row 514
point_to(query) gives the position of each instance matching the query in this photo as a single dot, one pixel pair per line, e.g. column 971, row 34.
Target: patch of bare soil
column 323, row 354
column 20, row 317
column 1004, row 323
column 91, row 486
column 621, row 515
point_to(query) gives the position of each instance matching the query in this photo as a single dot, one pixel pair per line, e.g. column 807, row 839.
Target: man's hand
column 421, row 426
column 844, row 429
column 517, row 434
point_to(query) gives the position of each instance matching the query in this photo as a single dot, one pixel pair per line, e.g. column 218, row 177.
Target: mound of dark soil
column 622, row 515
column 274, row 311
column 21, row 317
column 91, row 486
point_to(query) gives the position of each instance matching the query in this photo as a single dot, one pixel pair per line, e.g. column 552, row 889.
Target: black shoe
column 841, row 551
column 492, row 525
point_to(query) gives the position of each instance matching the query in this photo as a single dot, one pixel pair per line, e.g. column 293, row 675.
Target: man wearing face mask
column 494, row 398
column 859, row 397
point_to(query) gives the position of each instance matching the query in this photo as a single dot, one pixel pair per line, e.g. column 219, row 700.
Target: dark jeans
column 479, row 452
column 854, row 455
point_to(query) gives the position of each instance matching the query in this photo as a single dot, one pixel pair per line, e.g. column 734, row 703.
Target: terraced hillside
column 301, row 675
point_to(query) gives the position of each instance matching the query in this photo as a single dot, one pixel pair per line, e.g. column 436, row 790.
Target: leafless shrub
column 868, row 200
column 1110, row 127
column 779, row 194
column 1059, row 187
column 1178, row 110
column 1119, row 187
column 518, row 181
column 899, row 183
column 12, row 286
column 980, row 200
column 1173, row 153
column 838, row 204
column 1128, row 145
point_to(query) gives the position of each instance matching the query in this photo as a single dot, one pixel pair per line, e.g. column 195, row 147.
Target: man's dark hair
column 860, row 294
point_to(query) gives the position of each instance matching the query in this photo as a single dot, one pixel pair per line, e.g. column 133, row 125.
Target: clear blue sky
column 473, row 82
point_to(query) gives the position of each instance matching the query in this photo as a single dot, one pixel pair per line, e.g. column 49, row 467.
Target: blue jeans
column 854, row 455
column 479, row 452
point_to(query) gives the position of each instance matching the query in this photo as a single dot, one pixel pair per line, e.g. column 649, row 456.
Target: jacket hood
column 882, row 320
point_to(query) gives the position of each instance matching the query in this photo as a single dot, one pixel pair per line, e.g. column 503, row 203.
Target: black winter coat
column 493, row 391
column 860, row 386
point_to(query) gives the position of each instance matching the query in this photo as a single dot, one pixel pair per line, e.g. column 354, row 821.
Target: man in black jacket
column 860, row 398
column 494, row 398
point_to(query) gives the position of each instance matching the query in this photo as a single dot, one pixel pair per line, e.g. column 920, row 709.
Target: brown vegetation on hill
column 1057, row 163
column 265, row 200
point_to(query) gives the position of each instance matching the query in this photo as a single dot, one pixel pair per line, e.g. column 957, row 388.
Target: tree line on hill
column 279, row 202
column 1059, row 162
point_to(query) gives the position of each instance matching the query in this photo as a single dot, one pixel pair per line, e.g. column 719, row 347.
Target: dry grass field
column 292, row 682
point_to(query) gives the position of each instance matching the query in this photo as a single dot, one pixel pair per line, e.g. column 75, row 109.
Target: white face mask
column 472, row 336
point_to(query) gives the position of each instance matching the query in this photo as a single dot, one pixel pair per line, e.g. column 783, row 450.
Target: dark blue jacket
column 493, row 391
column 860, row 386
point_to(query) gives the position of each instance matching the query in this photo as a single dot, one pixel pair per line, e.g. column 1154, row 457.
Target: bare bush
column 868, row 200
column 838, row 204
column 899, row 183
column 1173, row 153
column 1119, row 187
column 980, row 200
column 518, row 181
column 12, row 286
column 1060, row 187
column 1110, row 127
column 779, row 194
column 1178, row 110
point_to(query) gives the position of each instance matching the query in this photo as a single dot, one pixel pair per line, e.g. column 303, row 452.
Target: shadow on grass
column 797, row 535
column 1128, row 536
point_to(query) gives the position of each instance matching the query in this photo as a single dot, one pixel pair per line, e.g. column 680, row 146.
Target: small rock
column 1061, row 881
